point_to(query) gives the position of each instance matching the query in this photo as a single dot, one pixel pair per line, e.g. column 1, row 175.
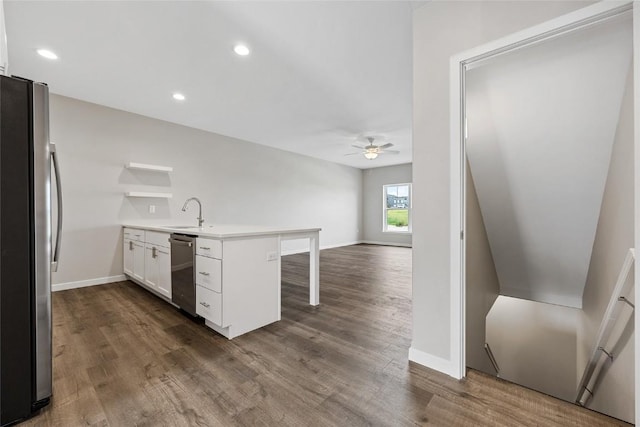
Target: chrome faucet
column 200, row 219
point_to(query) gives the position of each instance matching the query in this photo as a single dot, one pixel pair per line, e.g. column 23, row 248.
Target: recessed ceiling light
column 178, row 96
column 241, row 50
column 47, row 54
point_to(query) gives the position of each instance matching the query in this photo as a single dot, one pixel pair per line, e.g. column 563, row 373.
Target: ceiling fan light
column 370, row 155
column 241, row 50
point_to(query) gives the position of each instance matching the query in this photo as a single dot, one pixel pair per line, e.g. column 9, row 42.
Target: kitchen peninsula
column 236, row 269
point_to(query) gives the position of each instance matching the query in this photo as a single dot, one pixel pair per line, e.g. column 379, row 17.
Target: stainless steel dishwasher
column 183, row 278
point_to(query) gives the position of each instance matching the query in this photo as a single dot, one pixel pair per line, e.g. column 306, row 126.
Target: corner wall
column 535, row 344
column 483, row 286
column 373, row 180
column 442, row 29
column 614, row 236
column 238, row 182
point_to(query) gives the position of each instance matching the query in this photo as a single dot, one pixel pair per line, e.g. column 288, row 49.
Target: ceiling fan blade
column 389, row 152
column 387, row 145
column 357, row 146
column 352, row 154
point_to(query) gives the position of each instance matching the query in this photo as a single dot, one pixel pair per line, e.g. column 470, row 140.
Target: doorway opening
column 543, row 131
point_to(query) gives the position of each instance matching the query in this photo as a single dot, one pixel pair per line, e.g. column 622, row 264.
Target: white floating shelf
column 146, row 194
column 145, row 167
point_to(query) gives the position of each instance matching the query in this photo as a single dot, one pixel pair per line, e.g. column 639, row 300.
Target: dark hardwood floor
column 123, row 357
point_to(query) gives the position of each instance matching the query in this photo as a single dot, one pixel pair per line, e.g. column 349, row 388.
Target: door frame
column 458, row 63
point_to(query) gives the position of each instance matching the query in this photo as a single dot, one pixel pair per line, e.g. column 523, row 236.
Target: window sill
column 396, row 232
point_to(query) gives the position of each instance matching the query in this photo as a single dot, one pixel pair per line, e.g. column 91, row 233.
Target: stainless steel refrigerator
column 28, row 254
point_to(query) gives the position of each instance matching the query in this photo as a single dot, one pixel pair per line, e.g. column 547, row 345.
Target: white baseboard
column 433, row 362
column 372, row 242
column 301, row 251
column 89, row 282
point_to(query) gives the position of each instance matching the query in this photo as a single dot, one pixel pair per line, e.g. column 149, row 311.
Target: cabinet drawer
column 209, row 304
column 209, row 247
column 134, row 234
column 209, row 273
column 157, row 238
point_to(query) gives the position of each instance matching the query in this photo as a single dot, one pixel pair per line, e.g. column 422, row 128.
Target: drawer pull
column 205, row 248
column 204, row 273
column 130, row 245
column 205, row 304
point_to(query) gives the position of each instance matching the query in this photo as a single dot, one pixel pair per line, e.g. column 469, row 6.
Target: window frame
column 385, row 209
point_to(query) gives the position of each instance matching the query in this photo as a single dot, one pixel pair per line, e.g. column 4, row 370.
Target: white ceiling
column 541, row 125
column 320, row 73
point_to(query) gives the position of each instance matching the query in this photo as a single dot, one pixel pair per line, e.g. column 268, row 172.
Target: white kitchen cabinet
column 240, row 291
column 157, row 267
column 147, row 259
column 127, row 251
column 164, row 264
column 138, row 260
column 133, row 253
column 209, row 304
column 209, row 273
column 237, row 273
column 209, row 248
column 134, row 234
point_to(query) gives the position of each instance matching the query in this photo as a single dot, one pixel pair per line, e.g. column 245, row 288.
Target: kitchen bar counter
column 238, row 269
column 226, row 232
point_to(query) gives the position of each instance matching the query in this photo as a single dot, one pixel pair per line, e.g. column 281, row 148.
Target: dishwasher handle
column 180, row 242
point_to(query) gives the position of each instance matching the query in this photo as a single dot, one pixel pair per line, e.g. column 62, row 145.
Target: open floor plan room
column 125, row 357
column 319, row 213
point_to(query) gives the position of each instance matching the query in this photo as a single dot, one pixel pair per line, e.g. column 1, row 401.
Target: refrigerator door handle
column 56, row 169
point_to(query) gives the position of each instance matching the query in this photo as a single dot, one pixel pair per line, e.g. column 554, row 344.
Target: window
column 397, row 208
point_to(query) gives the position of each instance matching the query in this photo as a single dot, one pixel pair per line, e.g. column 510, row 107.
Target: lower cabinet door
column 127, row 252
column 138, row 261
column 209, row 304
column 157, row 269
column 164, row 271
column 151, row 271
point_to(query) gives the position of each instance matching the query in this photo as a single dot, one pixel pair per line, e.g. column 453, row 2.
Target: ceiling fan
column 372, row 151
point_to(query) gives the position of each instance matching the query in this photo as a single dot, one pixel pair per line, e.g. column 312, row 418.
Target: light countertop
column 220, row 231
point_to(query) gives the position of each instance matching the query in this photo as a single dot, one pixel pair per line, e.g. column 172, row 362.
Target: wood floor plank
column 123, row 357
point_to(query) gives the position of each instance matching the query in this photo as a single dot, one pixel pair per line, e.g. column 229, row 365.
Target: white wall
column 237, row 181
column 483, row 286
column 539, row 143
column 535, row 344
column 442, row 29
column 373, row 180
column 614, row 237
